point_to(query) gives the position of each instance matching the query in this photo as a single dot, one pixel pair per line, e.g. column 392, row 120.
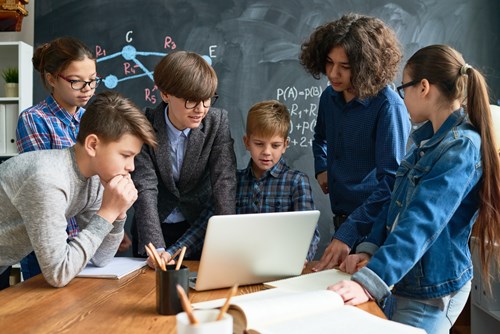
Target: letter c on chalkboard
column 127, row 36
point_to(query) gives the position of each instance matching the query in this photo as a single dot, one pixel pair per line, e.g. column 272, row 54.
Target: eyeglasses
column 80, row 84
column 188, row 104
column 401, row 89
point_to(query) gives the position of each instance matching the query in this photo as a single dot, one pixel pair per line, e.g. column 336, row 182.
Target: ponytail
column 444, row 67
column 487, row 226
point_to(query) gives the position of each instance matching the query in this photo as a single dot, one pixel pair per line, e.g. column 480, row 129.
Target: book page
column 256, row 313
column 311, row 282
column 347, row 319
column 116, row 269
column 260, row 295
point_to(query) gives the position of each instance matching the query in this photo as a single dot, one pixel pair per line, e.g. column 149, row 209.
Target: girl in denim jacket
column 447, row 183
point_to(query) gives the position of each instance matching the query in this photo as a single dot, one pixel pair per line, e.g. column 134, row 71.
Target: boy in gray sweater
column 90, row 181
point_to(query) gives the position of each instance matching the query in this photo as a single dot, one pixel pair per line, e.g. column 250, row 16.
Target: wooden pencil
column 361, row 264
column 181, row 257
column 224, row 308
column 157, row 257
column 176, row 254
column 157, row 265
column 186, row 305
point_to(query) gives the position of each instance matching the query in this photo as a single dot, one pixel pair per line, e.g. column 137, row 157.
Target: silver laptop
column 254, row 248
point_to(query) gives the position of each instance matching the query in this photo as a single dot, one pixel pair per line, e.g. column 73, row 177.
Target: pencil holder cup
column 167, row 300
column 207, row 323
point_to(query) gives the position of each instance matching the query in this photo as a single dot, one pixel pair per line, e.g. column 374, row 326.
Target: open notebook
column 254, row 248
column 116, row 269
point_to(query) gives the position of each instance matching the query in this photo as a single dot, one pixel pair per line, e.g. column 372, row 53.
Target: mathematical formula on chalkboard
column 303, row 107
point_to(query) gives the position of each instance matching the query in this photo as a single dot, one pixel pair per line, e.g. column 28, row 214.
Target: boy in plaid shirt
column 268, row 184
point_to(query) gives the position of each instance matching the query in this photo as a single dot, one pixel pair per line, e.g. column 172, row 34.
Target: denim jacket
column 420, row 240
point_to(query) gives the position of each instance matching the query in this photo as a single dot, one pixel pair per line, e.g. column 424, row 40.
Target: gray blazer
column 207, row 178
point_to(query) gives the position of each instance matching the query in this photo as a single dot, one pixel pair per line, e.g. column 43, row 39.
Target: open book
column 116, row 269
column 320, row 311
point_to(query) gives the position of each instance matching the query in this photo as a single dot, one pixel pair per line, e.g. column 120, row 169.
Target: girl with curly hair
column 362, row 125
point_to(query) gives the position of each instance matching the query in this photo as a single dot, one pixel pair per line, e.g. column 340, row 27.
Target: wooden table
column 90, row 305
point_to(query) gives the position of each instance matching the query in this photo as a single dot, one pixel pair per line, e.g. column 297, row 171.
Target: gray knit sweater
column 38, row 191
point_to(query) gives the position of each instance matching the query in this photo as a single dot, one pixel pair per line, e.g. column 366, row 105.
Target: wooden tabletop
column 91, row 305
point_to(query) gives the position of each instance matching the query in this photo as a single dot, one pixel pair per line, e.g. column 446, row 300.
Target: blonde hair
column 268, row 118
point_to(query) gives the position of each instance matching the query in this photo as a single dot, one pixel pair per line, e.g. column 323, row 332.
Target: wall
column 254, row 46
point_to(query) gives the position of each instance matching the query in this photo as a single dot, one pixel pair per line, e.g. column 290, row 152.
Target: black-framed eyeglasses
column 401, row 89
column 80, row 84
column 188, row 104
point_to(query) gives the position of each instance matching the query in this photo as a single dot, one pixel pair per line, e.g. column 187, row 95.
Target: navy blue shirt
column 360, row 144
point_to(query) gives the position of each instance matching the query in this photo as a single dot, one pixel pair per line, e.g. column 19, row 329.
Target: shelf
column 18, row 54
column 9, row 99
column 14, row 54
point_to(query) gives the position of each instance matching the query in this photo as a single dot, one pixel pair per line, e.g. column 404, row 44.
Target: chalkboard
column 254, row 46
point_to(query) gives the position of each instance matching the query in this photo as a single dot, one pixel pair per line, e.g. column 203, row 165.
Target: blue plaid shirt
column 48, row 126
column 280, row 189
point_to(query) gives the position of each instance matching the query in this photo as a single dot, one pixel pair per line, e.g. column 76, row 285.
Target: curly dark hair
column 372, row 48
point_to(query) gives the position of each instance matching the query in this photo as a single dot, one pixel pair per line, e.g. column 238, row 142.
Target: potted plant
column 11, row 77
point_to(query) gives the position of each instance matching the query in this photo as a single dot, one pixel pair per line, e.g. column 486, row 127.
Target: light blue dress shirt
column 178, row 144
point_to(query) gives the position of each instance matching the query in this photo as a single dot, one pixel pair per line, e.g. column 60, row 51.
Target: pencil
column 157, row 257
column 224, row 308
column 175, row 254
column 181, row 257
column 151, row 256
column 361, row 264
column 186, row 305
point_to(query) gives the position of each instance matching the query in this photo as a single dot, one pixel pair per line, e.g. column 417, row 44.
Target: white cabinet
column 485, row 305
column 14, row 54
